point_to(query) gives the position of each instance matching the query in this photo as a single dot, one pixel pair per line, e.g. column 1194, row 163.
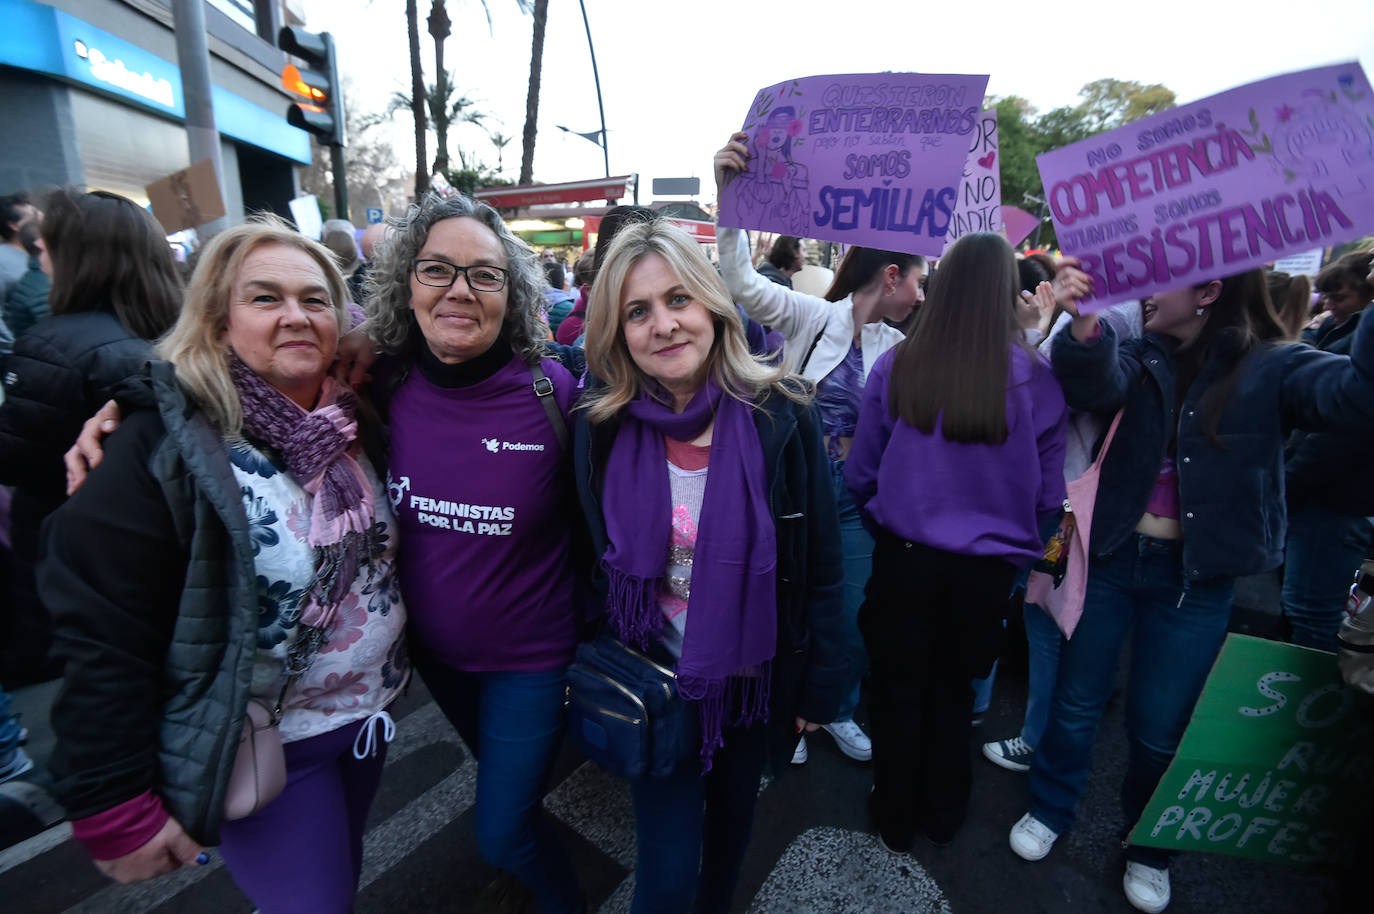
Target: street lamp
column 605, row 154
column 596, row 136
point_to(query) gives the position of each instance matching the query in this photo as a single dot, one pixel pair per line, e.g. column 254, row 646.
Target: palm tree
column 541, row 16
column 500, row 141
column 417, row 97
column 439, row 28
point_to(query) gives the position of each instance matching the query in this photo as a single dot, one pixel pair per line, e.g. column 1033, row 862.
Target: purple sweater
column 482, row 498
column 971, row 499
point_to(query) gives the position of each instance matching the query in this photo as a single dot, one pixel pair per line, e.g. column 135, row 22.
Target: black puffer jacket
column 61, row 371
column 148, row 570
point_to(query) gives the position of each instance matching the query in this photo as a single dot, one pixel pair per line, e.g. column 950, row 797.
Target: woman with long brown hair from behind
column 114, row 290
column 958, row 455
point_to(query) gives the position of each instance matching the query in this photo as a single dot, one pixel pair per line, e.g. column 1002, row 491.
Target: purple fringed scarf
column 317, row 448
column 732, row 617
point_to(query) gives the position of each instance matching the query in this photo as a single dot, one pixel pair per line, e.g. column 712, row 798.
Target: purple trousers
column 303, row 852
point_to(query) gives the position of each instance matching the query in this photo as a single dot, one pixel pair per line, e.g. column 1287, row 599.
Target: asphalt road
column 811, row 852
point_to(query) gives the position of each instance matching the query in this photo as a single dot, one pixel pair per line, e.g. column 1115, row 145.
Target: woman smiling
column 706, row 487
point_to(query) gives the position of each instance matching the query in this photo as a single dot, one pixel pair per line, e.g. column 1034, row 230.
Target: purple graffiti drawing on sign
column 872, row 159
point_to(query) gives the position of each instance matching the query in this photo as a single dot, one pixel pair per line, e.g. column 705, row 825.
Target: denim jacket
column 1231, row 497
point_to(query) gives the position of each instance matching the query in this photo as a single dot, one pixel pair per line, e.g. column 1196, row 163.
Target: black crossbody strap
column 543, row 389
column 801, row 369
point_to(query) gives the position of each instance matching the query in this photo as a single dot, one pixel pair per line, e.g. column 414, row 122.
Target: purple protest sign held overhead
column 1218, row 186
column 871, row 159
column 979, row 206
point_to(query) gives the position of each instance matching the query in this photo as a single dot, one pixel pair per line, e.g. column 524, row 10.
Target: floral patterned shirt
column 362, row 665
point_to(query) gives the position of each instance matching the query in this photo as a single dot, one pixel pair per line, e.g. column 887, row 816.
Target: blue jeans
column 858, row 566
column 1042, row 639
column 692, row 830
column 1176, row 631
column 513, row 723
column 1324, row 551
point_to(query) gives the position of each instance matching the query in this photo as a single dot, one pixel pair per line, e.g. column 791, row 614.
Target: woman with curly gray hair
column 483, row 494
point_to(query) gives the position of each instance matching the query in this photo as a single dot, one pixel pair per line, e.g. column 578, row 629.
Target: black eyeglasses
column 443, row 274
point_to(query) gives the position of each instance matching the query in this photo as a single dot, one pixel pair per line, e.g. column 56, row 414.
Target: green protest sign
column 1274, row 765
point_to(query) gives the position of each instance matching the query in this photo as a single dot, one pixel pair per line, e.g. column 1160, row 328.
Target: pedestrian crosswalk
column 811, row 852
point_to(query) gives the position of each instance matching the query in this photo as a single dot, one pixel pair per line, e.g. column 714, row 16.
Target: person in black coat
column 115, row 288
column 1329, row 487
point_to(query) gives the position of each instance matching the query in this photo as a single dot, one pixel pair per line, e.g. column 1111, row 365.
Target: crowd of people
column 331, row 462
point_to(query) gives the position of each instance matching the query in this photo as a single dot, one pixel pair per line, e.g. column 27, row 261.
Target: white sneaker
column 852, row 741
column 18, row 764
column 1031, row 839
column 800, row 755
column 1147, row 888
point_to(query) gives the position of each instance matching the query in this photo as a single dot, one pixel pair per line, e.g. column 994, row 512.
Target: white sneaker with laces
column 852, row 741
column 1031, row 839
column 1147, row 888
column 800, row 755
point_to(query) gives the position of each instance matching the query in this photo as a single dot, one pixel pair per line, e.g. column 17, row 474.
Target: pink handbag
column 1065, row 602
column 259, row 773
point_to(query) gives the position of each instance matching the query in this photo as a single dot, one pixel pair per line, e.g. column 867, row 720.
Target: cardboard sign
column 1274, row 764
column 1219, row 186
column 187, row 199
column 979, row 207
column 1308, row 263
column 871, row 159
column 305, row 212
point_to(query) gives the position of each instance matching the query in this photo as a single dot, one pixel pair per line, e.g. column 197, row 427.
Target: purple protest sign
column 1218, row 186
column 1018, row 224
column 979, row 206
column 870, row 159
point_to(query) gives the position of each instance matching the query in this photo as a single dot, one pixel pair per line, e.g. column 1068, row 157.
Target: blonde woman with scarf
column 707, row 490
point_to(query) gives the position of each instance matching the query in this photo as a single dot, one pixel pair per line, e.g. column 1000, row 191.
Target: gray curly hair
column 391, row 323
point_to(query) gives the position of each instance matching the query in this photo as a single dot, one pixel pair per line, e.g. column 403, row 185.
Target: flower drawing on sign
column 775, row 186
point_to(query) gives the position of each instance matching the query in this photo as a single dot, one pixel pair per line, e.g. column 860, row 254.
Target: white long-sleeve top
column 797, row 316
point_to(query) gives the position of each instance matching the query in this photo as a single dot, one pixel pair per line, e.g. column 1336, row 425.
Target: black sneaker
column 1012, row 754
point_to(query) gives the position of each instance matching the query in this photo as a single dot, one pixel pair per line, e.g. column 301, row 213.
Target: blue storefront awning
column 47, row 40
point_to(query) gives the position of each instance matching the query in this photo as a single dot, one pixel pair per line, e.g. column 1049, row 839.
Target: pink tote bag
column 1065, row 602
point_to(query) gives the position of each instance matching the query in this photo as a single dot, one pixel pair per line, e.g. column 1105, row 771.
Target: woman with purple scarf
column 707, row 491
column 233, row 548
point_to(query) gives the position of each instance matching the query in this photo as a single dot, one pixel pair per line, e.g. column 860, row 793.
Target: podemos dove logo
column 493, row 444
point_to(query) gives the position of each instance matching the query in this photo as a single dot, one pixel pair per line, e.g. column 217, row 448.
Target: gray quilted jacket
column 148, row 571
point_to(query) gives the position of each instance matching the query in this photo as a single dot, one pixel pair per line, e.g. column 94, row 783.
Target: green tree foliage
column 1024, row 133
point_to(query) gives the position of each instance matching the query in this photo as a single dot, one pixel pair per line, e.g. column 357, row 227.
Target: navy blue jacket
column 809, row 668
column 1232, row 498
column 1329, row 470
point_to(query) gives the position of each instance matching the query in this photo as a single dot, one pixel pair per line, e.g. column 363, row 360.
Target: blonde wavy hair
column 736, row 370
column 195, row 344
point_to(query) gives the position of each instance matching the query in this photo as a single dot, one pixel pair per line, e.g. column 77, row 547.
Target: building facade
column 90, row 95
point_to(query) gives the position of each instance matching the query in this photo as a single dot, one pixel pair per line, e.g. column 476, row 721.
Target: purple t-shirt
column 971, row 499
column 838, row 396
column 482, row 497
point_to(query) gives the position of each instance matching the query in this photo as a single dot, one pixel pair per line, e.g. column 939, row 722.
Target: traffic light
column 321, row 111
